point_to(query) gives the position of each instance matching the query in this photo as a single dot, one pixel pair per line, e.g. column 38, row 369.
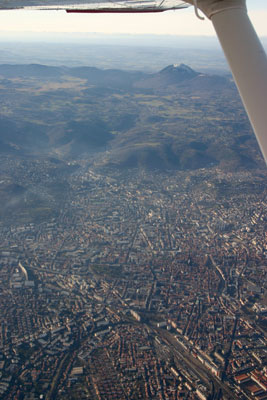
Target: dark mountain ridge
column 175, row 118
column 171, row 75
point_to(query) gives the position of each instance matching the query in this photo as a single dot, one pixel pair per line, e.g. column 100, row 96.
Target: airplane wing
column 94, row 5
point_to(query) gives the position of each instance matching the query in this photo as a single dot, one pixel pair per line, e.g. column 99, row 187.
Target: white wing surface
column 94, row 5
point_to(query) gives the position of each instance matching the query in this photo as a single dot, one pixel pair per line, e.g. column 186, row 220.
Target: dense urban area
column 145, row 285
column 132, row 237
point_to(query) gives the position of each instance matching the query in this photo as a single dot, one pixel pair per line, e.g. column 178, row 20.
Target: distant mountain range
column 172, row 75
column 175, row 118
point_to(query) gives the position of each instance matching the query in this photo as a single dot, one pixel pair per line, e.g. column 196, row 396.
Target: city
column 140, row 284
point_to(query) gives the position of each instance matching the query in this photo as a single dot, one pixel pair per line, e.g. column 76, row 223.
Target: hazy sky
column 182, row 22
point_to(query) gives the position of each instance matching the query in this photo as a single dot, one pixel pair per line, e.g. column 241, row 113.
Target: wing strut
column 246, row 57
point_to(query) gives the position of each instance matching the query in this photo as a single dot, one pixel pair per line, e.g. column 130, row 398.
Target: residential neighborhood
column 144, row 285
